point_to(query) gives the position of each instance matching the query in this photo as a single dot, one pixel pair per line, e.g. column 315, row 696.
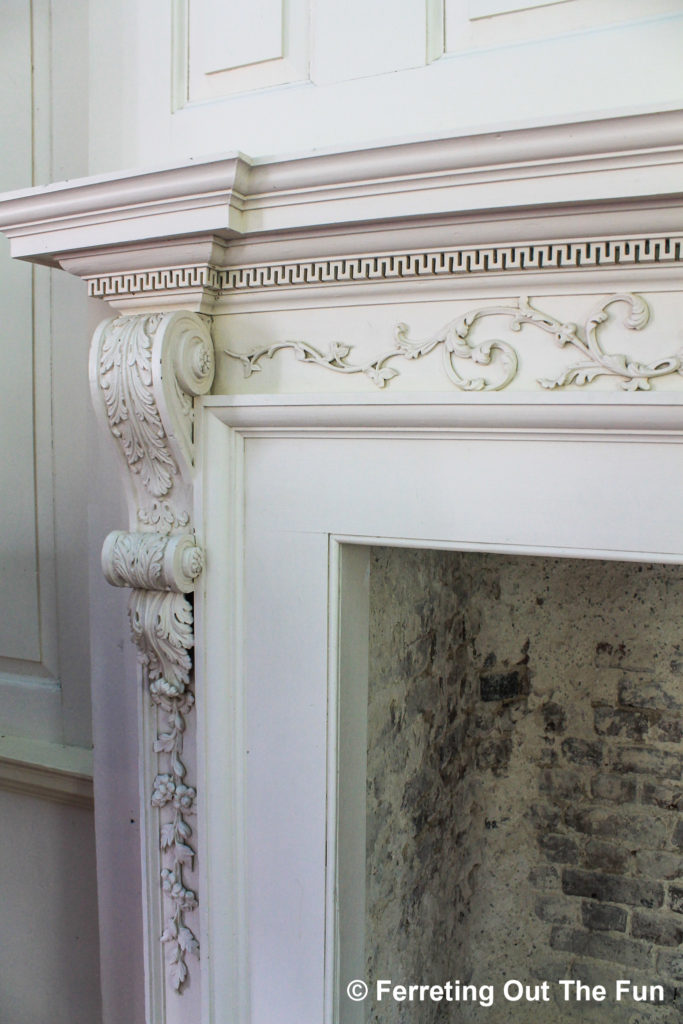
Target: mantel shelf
column 180, row 236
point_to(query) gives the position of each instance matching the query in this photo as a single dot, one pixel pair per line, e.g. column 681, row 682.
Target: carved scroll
column 457, row 349
column 145, row 372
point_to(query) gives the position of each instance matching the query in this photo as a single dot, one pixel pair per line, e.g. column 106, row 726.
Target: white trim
column 601, row 162
column 655, row 416
column 385, row 274
column 47, row 770
column 261, row 493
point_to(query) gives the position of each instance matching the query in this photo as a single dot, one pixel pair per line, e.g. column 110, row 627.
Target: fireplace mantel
column 228, row 233
column 242, row 291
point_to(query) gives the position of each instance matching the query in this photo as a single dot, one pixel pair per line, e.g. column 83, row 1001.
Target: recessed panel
column 503, row 23
column 230, row 35
column 235, row 47
column 359, row 39
column 484, row 8
column 19, row 627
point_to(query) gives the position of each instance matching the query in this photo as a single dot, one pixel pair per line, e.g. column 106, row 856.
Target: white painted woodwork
column 349, row 608
column 500, row 71
column 319, row 473
column 49, row 921
column 19, row 622
column 228, row 35
column 485, row 8
column 231, row 48
column 302, row 253
column 480, row 24
column 44, row 541
column 49, row 968
column 49, row 770
column 362, row 39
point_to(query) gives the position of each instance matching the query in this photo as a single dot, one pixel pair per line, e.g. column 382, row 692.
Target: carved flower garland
column 146, row 370
column 455, row 343
column 162, row 629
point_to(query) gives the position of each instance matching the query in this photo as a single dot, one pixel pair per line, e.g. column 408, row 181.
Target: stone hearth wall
column 524, row 782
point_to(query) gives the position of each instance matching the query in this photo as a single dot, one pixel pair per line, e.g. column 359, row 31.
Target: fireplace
column 463, row 686
column 522, row 750
column 451, row 366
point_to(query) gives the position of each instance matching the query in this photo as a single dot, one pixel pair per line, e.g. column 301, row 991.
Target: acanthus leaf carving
column 152, row 561
column 125, row 380
column 146, row 370
column 456, row 346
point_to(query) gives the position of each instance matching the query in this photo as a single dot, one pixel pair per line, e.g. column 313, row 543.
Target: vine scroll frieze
column 457, row 347
column 145, row 372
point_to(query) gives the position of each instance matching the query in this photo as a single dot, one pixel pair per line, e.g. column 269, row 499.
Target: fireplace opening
column 518, row 814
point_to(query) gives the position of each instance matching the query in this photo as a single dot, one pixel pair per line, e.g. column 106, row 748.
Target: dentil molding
column 145, row 373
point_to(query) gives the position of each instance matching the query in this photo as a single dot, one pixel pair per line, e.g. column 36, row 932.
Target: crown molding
column 180, row 225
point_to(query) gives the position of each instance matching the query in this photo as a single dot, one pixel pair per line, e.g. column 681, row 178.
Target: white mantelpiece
column 206, row 234
column 311, row 268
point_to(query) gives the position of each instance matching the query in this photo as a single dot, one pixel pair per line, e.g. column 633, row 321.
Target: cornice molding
column 99, row 228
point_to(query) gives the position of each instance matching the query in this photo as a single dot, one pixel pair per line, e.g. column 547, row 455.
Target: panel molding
column 50, row 771
column 192, row 84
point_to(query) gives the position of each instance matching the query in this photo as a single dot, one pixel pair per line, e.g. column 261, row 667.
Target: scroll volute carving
column 145, row 372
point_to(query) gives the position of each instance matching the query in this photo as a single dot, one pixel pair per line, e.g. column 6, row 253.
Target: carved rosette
column 145, row 372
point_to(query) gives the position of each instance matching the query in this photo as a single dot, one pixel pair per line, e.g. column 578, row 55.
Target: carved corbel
column 145, row 372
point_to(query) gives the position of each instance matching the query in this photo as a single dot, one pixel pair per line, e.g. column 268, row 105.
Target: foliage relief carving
column 456, row 345
column 125, row 376
column 146, row 370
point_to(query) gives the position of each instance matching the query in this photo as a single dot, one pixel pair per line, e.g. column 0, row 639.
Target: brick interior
column 525, row 779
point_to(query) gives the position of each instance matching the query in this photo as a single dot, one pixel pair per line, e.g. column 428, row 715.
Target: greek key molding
column 145, row 372
column 455, row 344
column 387, row 267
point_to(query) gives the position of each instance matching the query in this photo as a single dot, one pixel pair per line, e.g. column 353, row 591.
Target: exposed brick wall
column 525, row 778
column 617, row 849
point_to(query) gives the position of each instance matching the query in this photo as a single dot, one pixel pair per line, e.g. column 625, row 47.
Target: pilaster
column 145, row 372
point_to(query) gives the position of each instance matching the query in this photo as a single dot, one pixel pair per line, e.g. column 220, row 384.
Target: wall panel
column 377, row 72
column 19, row 618
column 49, row 968
column 231, row 48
